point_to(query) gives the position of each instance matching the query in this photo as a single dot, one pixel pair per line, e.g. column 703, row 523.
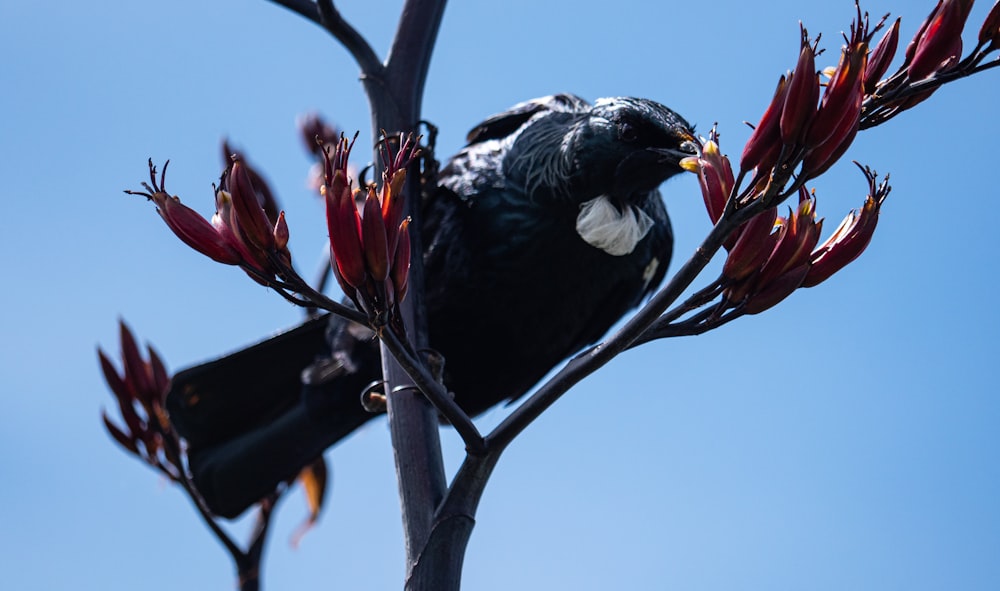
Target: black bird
column 544, row 231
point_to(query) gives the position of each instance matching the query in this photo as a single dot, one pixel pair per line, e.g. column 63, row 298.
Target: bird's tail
column 250, row 420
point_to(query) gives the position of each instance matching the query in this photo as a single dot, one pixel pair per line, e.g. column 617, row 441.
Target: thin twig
column 350, row 38
column 706, row 320
column 319, row 300
column 326, row 15
column 298, row 291
column 264, row 513
column 697, row 300
column 304, row 8
column 206, row 515
column 434, row 391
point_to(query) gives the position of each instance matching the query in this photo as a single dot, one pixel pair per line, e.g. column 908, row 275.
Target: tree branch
column 395, row 97
column 706, row 320
column 410, row 55
column 326, row 15
column 350, row 38
column 304, row 8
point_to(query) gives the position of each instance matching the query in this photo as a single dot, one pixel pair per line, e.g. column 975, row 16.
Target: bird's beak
column 688, row 146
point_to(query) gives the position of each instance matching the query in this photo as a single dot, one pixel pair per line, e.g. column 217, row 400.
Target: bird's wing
column 503, row 124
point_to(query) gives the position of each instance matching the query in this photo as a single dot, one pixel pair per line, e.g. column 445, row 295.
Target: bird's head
column 627, row 146
column 604, row 161
column 622, row 149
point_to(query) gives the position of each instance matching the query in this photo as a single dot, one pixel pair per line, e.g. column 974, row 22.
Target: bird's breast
column 520, row 289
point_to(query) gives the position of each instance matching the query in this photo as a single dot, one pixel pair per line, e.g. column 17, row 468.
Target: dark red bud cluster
column 932, row 58
column 839, row 114
column 772, row 256
column 140, row 390
column 247, row 220
column 794, row 127
column 239, row 233
column 369, row 243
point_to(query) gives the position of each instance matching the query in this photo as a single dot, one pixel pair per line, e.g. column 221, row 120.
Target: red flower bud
column 776, row 290
column 391, row 293
column 765, row 141
column 821, row 157
column 850, row 239
column 251, row 223
column 158, row 371
column 140, row 391
column 348, row 289
column 119, row 388
column 137, row 374
column 786, row 260
column 281, row 232
column 134, row 425
column 715, row 175
column 194, row 230
column 846, row 244
column 401, row 261
column 224, row 222
column 796, row 238
column 186, row 223
column 911, row 47
column 881, row 58
column 756, row 241
column 803, row 92
column 265, row 197
column 144, row 382
column 393, row 207
column 344, row 224
column 342, row 217
column 126, row 441
column 373, row 238
column 938, row 45
column 842, row 100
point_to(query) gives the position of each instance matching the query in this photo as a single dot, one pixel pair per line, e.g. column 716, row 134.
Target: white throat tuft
column 602, row 225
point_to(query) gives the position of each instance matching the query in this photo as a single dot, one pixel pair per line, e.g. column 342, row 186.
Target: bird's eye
column 627, row 132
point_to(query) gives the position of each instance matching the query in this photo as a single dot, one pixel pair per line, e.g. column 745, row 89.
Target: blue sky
column 845, row 440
